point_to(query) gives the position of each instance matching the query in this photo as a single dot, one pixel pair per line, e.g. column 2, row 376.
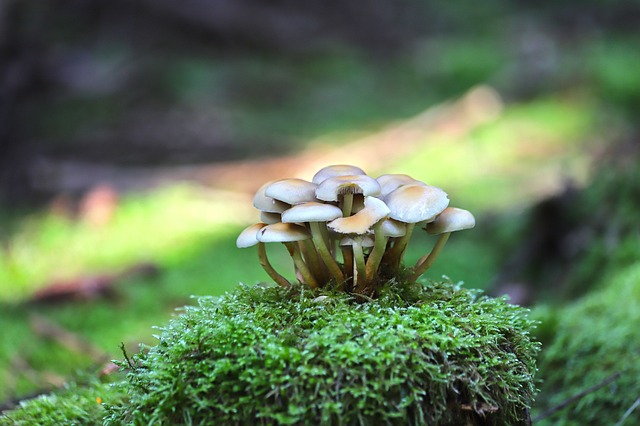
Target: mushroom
column 450, row 220
column 357, row 226
column 267, row 204
column 288, row 233
column 248, row 238
column 383, row 230
column 336, row 170
column 343, row 188
column 292, row 191
column 412, row 204
column 315, row 214
column 270, row 218
column 391, row 182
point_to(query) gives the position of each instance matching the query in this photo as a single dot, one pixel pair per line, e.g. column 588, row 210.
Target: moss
column 73, row 405
column 438, row 354
column 594, row 339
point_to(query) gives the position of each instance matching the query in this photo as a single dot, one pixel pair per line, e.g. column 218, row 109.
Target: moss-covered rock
column 592, row 340
column 417, row 355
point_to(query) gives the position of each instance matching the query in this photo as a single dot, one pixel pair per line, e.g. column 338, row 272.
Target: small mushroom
column 288, row 234
column 292, row 191
column 248, row 238
column 317, row 214
column 391, row 182
column 267, row 204
column 412, row 204
column 270, row 218
column 336, row 170
column 358, row 226
column 343, row 188
column 450, row 220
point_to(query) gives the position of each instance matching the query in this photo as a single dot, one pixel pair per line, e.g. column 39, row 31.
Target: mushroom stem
column 394, row 256
column 302, row 267
column 323, row 251
column 266, row 265
column 376, row 254
column 426, row 261
column 347, row 204
column 313, row 261
column 360, row 271
column 347, row 260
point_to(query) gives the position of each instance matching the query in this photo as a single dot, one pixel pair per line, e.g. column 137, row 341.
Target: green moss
column 417, row 355
column 73, row 405
column 594, row 339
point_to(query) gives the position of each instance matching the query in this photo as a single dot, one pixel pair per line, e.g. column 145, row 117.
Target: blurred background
column 134, row 133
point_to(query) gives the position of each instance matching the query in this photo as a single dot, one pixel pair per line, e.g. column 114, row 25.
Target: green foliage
column 266, row 355
column 595, row 338
column 74, row 405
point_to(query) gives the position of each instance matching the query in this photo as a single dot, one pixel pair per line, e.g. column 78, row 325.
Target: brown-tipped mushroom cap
column 249, row 236
column 391, row 182
column 360, row 223
column 416, row 203
column 282, row 233
column 311, row 212
column 267, row 204
column 450, row 220
column 365, row 241
column 330, row 188
column 336, row 170
column 292, row 191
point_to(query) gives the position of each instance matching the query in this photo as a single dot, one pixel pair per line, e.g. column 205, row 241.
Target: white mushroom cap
column 360, row 223
column 391, row 182
column 330, row 188
column 270, row 218
column 450, row 220
column 249, row 236
column 283, row 233
column 366, row 241
column 311, row 212
column 292, row 191
column 393, row 228
column 416, row 203
column 267, row 204
column 337, row 170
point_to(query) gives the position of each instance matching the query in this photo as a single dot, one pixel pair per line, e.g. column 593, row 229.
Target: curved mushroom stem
column 426, row 261
column 394, row 256
column 376, row 254
column 360, row 267
column 323, row 250
column 266, row 265
column 347, row 204
column 302, row 267
column 310, row 254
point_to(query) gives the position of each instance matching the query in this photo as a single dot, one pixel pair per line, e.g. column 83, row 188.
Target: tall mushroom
column 288, row 234
column 343, row 188
column 248, row 238
column 383, row 230
column 316, row 215
column 412, row 204
column 450, row 220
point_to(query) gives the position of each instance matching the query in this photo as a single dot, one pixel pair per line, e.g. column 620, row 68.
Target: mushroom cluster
column 348, row 228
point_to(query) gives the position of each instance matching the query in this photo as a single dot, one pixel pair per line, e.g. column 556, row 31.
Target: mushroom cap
column 249, row 235
column 311, row 212
column 336, row 170
column 292, row 191
column 365, row 241
column 282, row 233
column 416, row 203
column 391, row 182
column 330, row 188
column 360, row 223
column 267, row 204
column 270, row 218
column 393, row 228
column 450, row 220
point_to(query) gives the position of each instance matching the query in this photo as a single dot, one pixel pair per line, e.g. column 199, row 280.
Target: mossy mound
column 439, row 354
column 596, row 339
